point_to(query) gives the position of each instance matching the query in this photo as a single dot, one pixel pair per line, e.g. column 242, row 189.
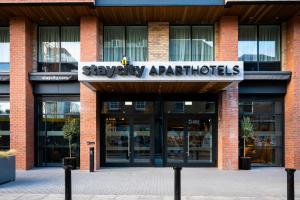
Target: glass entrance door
column 189, row 140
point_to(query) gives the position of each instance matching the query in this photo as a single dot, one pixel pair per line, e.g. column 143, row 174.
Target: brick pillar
column 90, row 47
column 292, row 97
column 21, row 96
column 158, row 41
column 227, row 50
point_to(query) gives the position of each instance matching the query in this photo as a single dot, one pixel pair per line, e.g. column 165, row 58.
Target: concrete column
column 90, row 47
column 21, row 96
column 227, row 50
column 292, row 97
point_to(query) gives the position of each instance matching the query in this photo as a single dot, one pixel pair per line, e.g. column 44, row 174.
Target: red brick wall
column 292, row 98
column 227, row 49
column 158, row 41
column 22, row 106
column 90, row 31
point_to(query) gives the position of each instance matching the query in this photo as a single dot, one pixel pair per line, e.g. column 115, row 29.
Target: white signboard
column 222, row 71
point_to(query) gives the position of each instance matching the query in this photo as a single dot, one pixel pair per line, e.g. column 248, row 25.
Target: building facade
column 154, row 83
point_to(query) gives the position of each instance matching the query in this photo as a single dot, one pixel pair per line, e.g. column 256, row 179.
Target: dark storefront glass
column 194, row 43
column 52, row 147
column 4, row 124
column 267, row 118
column 259, row 47
column 130, row 41
column 59, row 48
column 4, row 49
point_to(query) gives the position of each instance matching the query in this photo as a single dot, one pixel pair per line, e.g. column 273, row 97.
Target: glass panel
column 269, row 43
column 200, row 140
column 49, row 49
column 247, row 45
column 189, row 107
column 175, row 140
column 114, row 43
column 117, row 137
column 128, row 107
column 4, row 49
column 4, row 124
column 202, row 43
column 180, row 43
column 136, row 43
column 70, row 48
column 53, row 147
column 266, row 147
column 142, row 138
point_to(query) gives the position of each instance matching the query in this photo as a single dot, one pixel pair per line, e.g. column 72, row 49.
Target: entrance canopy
column 160, row 77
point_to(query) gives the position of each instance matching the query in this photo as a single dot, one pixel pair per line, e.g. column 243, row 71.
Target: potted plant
column 71, row 130
column 247, row 133
column 7, row 166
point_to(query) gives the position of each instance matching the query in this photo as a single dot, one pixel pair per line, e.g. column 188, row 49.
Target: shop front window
column 259, row 47
column 266, row 115
column 4, row 124
column 59, row 49
column 4, row 49
column 53, row 147
column 191, row 43
column 129, row 41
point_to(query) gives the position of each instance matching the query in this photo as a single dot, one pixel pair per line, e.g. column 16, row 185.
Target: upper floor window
column 259, row 47
column 59, row 48
column 129, row 41
column 4, row 49
column 191, row 43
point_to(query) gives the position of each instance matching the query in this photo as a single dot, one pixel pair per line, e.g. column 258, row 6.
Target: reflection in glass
column 4, row 125
column 117, row 137
column 199, row 140
column 266, row 148
column 180, row 43
column 142, row 134
column 247, row 45
column 189, row 107
column 53, row 147
column 175, row 140
column 4, row 49
column 114, row 43
column 269, row 43
column 137, row 107
column 136, row 43
column 202, row 43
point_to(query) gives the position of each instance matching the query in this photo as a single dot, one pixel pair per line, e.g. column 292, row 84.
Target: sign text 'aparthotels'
column 161, row 71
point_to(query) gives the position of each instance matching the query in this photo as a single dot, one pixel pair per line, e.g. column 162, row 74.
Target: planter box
column 7, row 169
column 245, row 163
column 70, row 161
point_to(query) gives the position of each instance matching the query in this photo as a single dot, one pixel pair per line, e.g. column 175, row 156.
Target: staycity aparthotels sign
column 161, row 71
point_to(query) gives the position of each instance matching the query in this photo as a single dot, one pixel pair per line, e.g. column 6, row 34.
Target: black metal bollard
column 92, row 152
column 177, row 183
column 290, row 184
column 68, row 182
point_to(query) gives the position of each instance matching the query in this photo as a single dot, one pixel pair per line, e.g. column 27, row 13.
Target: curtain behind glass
column 114, row 43
column 202, row 43
column 49, row 44
column 247, row 46
column 70, row 44
column 269, row 43
column 4, row 44
column 136, row 43
column 180, row 43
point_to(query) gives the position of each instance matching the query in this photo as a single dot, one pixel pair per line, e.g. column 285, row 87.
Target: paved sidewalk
column 150, row 183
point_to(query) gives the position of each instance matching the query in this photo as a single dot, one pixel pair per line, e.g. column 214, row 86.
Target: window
column 140, row 105
column 267, row 118
column 4, row 49
column 130, row 41
column 191, row 43
column 189, row 107
column 52, row 116
column 4, row 124
column 59, row 49
column 114, row 105
column 259, row 47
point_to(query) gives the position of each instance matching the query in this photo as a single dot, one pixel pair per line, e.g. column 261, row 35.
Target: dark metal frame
column 5, row 98
column 162, row 118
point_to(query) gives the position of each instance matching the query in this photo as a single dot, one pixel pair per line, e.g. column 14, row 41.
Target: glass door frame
column 131, row 162
column 185, row 117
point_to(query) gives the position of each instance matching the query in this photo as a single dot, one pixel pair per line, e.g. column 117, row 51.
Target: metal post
column 68, row 182
column 92, row 152
column 290, row 184
column 177, row 183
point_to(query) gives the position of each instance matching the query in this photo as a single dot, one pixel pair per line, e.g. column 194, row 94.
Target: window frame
column 257, row 63
column 5, row 63
column 5, row 98
column 191, row 40
column 60, row 34
column 125, row 39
